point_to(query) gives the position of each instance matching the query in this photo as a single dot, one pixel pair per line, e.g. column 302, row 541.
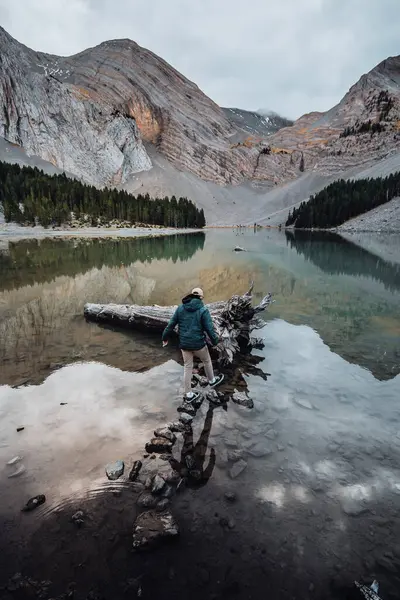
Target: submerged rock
column 237, row 469
column 259, row 450
column 242, row 399
column 162, row 504
column 147, row 500
column 159, row 445
column 230, row 496
column 304, row 404
column 152, row 528
column 14, row 460
column 115, row 469
column 78, row 518
column 166, row 433
column 235, row 455
column 168, row 491
column 34, row 502
column 133, row 475
column 19, row 471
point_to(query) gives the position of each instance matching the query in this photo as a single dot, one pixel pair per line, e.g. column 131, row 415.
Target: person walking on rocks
column 194, row 322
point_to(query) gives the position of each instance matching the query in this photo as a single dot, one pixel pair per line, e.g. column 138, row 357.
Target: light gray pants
column 188, row 356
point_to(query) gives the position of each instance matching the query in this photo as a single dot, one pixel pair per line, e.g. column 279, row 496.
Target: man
column 194, row 322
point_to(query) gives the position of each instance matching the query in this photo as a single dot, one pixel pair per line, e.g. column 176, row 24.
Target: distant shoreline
column 15, row 232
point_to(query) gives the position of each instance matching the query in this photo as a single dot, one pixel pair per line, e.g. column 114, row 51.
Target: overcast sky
column 292, row 56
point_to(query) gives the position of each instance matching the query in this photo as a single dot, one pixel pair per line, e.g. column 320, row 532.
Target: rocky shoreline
column 13, row 231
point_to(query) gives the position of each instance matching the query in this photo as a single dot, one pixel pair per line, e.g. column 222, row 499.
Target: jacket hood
column 192, row 303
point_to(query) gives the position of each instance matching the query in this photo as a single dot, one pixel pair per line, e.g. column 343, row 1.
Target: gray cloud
column 291, row 56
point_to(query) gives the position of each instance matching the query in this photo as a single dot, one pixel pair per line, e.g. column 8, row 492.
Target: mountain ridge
column 119, row 115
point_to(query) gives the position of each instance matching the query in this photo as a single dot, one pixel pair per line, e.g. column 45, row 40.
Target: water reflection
column 346, row 294
column 193, row 456
column 29, row 262
column 335, row 255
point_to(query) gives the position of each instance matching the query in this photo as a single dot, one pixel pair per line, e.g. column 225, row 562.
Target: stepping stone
column 115, row 469
column 242, row 399
column 186, row 418
column 159, row 445
column 166, row 433
column 34, row 503
column 133, row 475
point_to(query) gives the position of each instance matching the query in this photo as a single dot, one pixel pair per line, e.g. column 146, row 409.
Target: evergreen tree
column 343, row 200
column 29, row 196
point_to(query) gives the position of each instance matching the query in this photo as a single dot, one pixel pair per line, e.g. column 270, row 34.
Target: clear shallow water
column 323, row 499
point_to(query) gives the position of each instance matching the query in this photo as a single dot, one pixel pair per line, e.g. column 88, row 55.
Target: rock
column 354, row 510
column 187, row 407
column 235, row 455
column 271, row 434
column 185, row 418
column 168, row 491
column 115, row 469
column 237, row 469
column 227, row 523
column 162, row 504
column 159, row 445
column 176, row 427
column 158, row 485
column 133, row 475
column 230, row 497
column 20, row 429
column 34, row 503
column 231, row 441
column 304, row 403
column 148, row 484
column 166, row 433
column 259, row 450
column 14, row 460
column 171, row 477
column 147, row 500
column 242, row 399
column 202, row 381
column 214, row 397
column 78, row 518
column 19, row 471
column 152, row 528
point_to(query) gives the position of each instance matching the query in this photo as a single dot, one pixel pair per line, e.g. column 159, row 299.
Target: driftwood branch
column 234, row 320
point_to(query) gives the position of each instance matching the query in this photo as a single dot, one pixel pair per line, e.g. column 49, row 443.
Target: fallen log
column 234, row 320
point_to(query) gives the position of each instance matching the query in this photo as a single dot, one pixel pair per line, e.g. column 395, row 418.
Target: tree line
column 29, row 196
column 343, row 200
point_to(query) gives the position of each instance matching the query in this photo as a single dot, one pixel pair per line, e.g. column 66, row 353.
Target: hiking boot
column 216, row 381
column 192, row 397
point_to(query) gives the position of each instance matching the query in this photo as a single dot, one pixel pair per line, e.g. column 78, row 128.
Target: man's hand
column 165, row 343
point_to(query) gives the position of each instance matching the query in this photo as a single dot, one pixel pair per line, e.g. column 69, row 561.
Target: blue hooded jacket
column 194, row 321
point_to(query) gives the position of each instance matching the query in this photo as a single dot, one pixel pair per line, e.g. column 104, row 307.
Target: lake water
column 318, row 504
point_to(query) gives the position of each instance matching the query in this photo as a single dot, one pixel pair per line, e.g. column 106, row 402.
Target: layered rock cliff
column 112, row 114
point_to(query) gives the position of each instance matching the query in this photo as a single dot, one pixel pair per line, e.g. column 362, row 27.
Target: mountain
column 117, row 114
column 258, row 124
